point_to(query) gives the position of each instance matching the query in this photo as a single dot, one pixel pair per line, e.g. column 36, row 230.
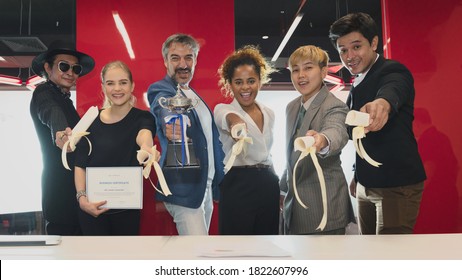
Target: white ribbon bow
column 360, row 120
column 151, row 160
column 79, row 131
column 238, row 131
column 305, row 146
column 71, row 142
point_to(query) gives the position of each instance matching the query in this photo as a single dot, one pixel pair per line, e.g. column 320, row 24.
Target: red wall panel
column 148, row 24
column 423, row 36
column 426, row 37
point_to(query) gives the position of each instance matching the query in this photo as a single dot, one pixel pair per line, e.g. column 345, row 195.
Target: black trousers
column 249, row 202
column 113, row 222
column 62, row 229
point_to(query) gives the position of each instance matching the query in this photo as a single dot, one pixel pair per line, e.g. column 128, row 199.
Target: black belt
column 257, row 166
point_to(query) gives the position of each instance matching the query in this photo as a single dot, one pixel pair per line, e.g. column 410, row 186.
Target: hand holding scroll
column 238, row 132
column 79, row 131
column 360, row 120
column 150, row 159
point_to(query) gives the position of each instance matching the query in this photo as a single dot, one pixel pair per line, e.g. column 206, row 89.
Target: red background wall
column 148, row 24
column 426, row 37
column 423, row 35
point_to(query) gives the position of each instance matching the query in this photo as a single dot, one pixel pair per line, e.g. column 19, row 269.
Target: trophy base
column 174, row 159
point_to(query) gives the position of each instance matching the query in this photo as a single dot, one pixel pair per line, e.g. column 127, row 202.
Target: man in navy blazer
column 191, row 202
column 389, row 195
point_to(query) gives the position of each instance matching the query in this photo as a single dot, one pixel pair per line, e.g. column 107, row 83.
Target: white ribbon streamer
column 305, row 146
column 71, row 142
column 151, row 160
column 238, row 131
column 184, row 138
column 79, row 131
column 360, row 120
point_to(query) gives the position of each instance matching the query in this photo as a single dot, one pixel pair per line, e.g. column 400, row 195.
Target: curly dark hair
column 247, row 55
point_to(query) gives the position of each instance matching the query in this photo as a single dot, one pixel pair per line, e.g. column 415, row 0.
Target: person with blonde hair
column 249, row 192
column 319, row 114
column 116, row 134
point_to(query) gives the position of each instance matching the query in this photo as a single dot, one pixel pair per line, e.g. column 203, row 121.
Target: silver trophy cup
column 179, row 105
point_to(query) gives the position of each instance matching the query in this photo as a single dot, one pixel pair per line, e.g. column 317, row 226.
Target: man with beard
column 191, row 202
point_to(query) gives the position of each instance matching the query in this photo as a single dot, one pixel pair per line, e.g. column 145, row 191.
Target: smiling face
column 307, row 77
column 118, row 87
column 65, row 80
column 245, row 84
column 180, row 63
column 356, row 53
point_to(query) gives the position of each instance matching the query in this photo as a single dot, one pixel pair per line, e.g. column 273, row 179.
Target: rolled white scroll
column 360, row 120
column 79, row 131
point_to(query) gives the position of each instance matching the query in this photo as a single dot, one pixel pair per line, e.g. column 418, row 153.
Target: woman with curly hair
column 249, row 192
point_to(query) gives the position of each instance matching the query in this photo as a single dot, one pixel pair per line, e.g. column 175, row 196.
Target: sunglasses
column 64, row 67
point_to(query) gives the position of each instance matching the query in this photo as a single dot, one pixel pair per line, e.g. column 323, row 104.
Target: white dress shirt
column 205, row 117
column 259, row 151
column 360, row 77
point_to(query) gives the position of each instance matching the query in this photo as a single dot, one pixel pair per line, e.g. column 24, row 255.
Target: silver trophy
column 179, row 105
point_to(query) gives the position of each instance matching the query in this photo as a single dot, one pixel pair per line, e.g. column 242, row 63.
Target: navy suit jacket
column 394, row 145
column 186, row 184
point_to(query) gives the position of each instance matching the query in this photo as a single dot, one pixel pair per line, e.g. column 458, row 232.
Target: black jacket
column 52, row 111
column 394, row 145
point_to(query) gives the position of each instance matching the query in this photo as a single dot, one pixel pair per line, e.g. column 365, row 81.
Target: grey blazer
column 325, row 115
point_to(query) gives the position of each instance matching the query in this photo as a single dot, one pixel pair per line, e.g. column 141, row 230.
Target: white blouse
column 259, row 151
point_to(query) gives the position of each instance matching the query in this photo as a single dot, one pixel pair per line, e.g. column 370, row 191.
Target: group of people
column 238, row 135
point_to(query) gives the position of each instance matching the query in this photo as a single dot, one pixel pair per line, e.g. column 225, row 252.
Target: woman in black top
column 115, row 135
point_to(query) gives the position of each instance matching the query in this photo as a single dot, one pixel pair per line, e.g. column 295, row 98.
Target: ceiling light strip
column 10, row 80
column 334, row 79
column 337, row 88
column 289, row 33
column 34, row 80
column 121, row 27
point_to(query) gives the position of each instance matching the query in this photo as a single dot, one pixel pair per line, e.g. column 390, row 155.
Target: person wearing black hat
column 54, row 114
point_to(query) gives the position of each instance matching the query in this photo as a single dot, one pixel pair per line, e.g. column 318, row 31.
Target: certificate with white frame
column 121, row 187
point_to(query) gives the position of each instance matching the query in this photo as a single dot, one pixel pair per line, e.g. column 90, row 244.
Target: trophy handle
column 194, row 103
column 163, row 102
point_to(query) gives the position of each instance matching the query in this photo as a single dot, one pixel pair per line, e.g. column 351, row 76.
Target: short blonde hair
column 313, row 53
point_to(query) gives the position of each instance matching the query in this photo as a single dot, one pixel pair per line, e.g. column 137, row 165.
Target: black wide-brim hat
column 62, row 47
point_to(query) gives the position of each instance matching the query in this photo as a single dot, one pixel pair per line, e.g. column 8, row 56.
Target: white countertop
column 321, row 247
